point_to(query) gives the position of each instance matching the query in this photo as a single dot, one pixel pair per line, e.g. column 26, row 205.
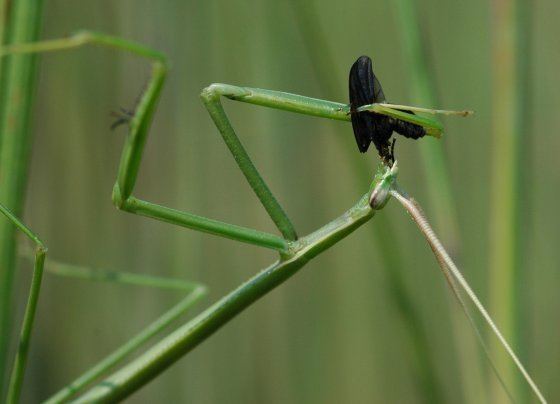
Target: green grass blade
column 17, row 82
column 18, row 370
column 510, row 170
column 422, row 93
column 439, row 186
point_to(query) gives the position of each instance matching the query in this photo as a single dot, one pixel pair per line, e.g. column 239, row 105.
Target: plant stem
column 509, row 127
column 18, row 370
column 422, row 93
column 17, row 84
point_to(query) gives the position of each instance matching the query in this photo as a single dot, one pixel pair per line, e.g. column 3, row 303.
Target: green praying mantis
column 293, row 251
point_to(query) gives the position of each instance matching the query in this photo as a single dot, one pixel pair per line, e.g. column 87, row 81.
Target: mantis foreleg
column 134, row 146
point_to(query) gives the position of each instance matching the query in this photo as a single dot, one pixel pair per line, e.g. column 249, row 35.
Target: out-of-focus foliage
column 331, row 334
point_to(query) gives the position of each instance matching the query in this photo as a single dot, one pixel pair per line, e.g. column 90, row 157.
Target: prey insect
column 374, row 121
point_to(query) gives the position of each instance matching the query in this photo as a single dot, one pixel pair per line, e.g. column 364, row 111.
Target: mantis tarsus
column 294, row 252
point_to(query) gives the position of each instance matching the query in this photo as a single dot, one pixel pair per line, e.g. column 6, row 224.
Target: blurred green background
column 333, row 333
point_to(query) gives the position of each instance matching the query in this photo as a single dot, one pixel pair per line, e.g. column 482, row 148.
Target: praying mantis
column 293, row 251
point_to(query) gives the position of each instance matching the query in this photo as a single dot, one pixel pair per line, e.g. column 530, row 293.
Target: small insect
column 376, row 123
column 123, row 116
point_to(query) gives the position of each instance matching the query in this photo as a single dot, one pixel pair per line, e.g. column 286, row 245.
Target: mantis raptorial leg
column 134, row 147
column 294, row 252
column 140, row 122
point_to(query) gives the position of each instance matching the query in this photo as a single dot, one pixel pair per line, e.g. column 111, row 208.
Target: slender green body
column 294, row 252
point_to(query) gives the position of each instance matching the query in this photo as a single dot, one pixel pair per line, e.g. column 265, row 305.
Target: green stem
column 509, row 127
column 422, row 93
column 18, row 370
column 436, row 167
column 3, row 21
column 13, row 220
column 16, row 94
